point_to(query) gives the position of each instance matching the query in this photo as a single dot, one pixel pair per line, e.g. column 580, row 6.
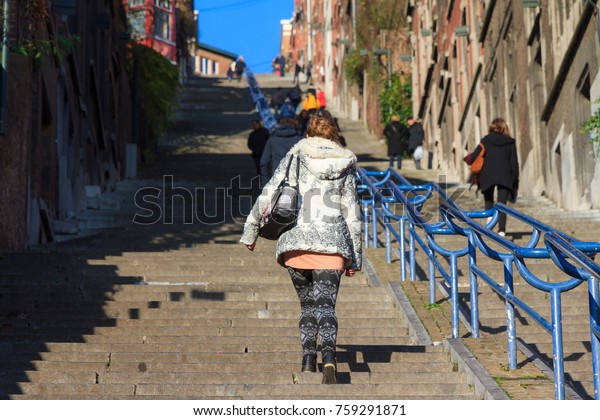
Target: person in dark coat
column 500, row 168
column 302, row 120
column 240, row 66
column 283, row 137
column 257, row 141
column 278, row 98
column 415, row 139
column 297, row 70
column 309, row 72
column 295, row 95
column 281, row 61
column 396, row 134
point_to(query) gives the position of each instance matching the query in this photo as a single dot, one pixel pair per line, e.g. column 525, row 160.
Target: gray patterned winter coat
column 329, row 217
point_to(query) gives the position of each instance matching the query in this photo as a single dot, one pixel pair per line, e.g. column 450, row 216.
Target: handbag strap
column 287, row 170
column 298, row 170
column 289, row 165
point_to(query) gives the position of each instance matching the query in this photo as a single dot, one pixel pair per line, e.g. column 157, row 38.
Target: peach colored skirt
column 308, row 260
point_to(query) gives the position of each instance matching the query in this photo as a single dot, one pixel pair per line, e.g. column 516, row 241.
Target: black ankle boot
column 329, row 369
column 309, row 363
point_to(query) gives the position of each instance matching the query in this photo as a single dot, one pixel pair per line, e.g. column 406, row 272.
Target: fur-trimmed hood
column 324, row 158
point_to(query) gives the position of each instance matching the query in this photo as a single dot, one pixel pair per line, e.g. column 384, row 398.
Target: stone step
column 348, row 312
column 346, row 391
column 89, row 325
column 430, row 366
column 89, row 286
column 252, row 346
column 272, row 376
column 257, row 331
column 406, row 355
column 30, row 309
column 211, row 341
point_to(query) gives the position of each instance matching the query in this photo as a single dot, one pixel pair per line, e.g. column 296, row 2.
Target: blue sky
column 250, row 28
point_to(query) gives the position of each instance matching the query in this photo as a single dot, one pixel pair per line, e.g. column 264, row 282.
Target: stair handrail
column 561, row 249
column 432, row 247
column 517, row 255
column 369, row 181
column 260, row 102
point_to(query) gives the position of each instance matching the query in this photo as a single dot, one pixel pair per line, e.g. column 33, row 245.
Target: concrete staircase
column 180, row 312
column 534, row 340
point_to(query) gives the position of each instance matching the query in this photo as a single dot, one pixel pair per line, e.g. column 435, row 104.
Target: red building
column 153, row 23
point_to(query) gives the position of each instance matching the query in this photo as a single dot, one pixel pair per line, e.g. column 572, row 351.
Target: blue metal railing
column 260, row 102
column 388, row 187
column 412, row 215
column 517, row 255
column 560, row 249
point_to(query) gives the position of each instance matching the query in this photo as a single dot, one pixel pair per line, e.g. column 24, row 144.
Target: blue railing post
column 374, row 224
column 511, row 329
column 473, row 286
column 454, row 293
column 411, row 252
column 402, row 226
column 388, row 240
column 432, row 285
column 594, row 297
column 557, row 345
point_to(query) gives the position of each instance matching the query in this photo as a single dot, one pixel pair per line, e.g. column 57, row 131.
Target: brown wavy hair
column 499, row 125
column 322, row 124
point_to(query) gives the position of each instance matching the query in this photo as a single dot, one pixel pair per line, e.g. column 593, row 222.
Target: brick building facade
column 213, row 61
column 154, row 23
column 325, row 32
column 533, row 63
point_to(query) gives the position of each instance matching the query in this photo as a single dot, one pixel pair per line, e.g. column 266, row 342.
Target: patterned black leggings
column 317, row 291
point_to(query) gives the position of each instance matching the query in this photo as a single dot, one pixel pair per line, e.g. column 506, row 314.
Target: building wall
column 323, row 32
column 69, row 118
column 159, row 25
column 14, row 156
column 214, row 64
column 536, row 67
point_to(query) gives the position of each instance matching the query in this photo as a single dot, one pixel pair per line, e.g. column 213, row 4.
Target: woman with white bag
column 325, row 243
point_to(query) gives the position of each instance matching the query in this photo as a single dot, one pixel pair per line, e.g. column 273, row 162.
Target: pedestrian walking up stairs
column 535, row 343
column 176, row 311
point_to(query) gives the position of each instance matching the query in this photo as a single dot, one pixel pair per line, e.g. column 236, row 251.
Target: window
column 166, row 4
column 137, row 22
column 161, row 24
column 134, row 3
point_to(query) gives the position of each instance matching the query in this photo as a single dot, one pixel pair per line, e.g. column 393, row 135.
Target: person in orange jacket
column 311, row 103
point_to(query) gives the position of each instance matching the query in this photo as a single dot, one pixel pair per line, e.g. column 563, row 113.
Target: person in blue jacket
column 283, row 137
